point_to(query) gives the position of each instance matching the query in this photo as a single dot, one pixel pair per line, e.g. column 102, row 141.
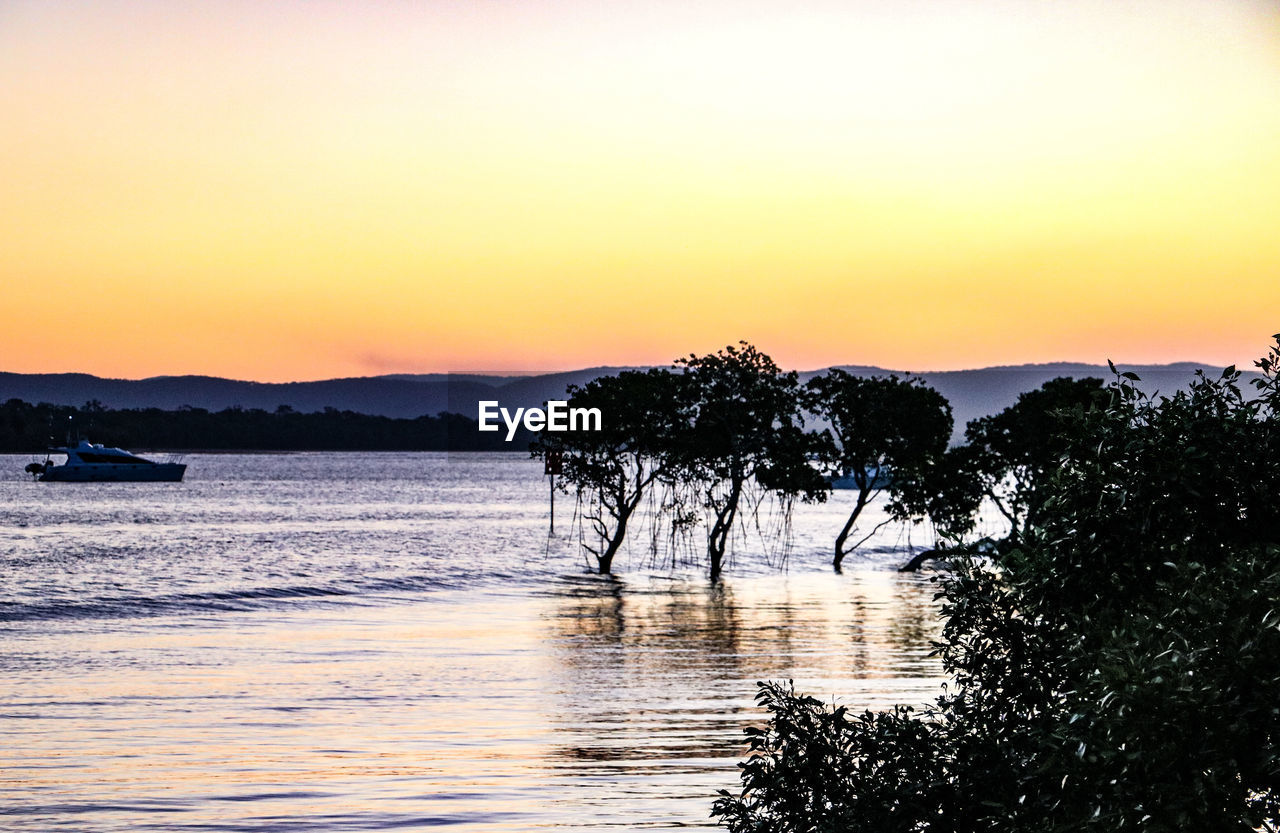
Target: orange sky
column 303, row 190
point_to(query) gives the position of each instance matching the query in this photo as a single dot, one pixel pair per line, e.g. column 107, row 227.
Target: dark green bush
column 1117, row 667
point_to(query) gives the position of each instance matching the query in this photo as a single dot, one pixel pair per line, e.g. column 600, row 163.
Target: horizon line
column 1028, row 366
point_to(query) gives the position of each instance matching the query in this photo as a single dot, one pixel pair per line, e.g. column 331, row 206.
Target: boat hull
column 878, row 480
column 116, row 473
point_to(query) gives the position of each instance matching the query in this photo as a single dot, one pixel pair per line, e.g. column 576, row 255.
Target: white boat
column 878, row 478
column 87, row 462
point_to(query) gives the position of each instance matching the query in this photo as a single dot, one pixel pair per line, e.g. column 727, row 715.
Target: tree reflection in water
column 655, row 676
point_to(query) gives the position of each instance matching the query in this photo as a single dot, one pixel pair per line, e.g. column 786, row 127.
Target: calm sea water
column 314, row 642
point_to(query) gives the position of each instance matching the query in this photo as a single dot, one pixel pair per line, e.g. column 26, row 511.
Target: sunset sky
column 303, row 190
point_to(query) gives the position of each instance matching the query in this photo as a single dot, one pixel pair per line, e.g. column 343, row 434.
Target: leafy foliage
column 1012, row 452
column 746, row 431
column 885, row 433
column 945, row 489
column 609, row 470
column 1114, row 669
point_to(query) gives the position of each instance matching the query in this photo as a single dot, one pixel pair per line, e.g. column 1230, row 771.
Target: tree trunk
column 605, row 559
column 917, row 561
column 718, row 538
column 848, row 528
column 715, row 547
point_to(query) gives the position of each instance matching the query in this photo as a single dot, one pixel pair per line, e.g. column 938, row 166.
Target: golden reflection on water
column 592, row 702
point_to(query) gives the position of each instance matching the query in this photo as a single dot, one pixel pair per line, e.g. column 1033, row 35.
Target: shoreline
column 302, row 451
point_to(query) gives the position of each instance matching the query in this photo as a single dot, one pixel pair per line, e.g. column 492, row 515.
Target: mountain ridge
column 972, row 393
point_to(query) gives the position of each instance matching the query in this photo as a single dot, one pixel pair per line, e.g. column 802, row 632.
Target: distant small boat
column 87, row 462
column 880, row 479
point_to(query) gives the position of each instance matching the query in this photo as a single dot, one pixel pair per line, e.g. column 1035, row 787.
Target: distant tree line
column 34, row 428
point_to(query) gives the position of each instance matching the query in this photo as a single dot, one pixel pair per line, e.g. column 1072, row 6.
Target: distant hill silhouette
column 972, row 393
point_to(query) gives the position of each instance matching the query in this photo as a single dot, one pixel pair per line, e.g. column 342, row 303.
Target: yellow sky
column 304, row 190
